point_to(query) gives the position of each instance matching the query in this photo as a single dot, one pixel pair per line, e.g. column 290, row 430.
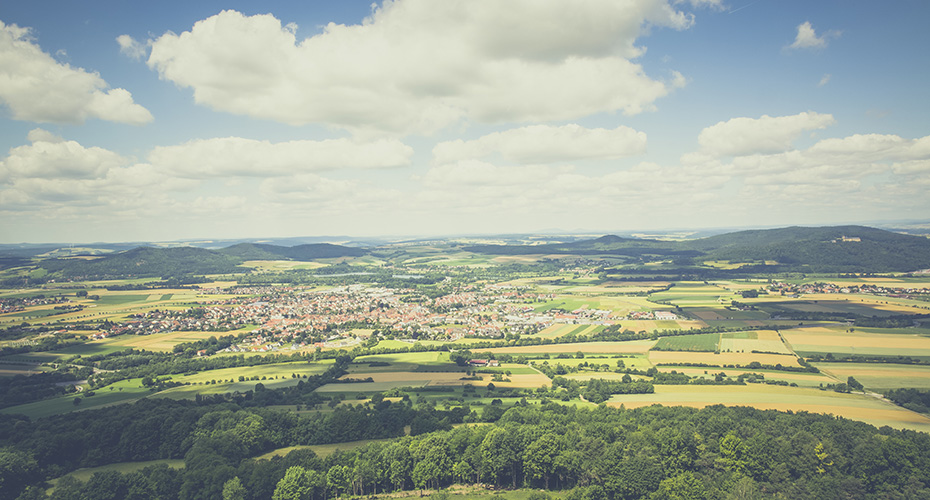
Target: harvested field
column 878, row 376
column 724, row 358
column 862, row 343
column 767, row 397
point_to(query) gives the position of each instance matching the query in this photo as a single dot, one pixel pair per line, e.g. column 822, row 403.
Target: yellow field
column 877, row 376
column 724, row 358
column 163, row 342
column 768, row 397
column 631, row 347
column 826, row 340
column 420, row 379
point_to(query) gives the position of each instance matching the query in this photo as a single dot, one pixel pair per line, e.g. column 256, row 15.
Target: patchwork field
column 768, row 397
column 753, row 340
column 878, row 376
column 632, row 347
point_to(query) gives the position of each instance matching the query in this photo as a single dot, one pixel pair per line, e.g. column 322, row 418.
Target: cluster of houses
column 11, row 305
column 794, row 289
column 652, row 315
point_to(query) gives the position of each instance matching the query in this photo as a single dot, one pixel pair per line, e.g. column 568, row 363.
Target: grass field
column 768, row 397
column 878, row 376
column 756, row 340
column 123, row 391
column 121, row 467
column 704, row 342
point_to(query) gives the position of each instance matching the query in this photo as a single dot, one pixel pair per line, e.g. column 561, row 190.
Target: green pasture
column 224, row 380
column 122, row 392
column 704, row 342
column 121, row 467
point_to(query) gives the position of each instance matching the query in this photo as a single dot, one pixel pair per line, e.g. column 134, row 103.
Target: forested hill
column 260, row 251
column 185, row 261
column 823, row 249
column 147, row 262
column 815, row 249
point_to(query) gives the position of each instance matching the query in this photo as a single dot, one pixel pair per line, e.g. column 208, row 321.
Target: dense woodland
column 655, row 452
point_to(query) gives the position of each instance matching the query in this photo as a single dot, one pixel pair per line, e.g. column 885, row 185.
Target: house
column 202, row 352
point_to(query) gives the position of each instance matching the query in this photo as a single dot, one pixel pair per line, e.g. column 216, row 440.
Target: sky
column 151, row 121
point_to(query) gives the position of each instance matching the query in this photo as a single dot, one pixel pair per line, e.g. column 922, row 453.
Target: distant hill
column 822, row 249
column 260, row 251
column 808, row 249
column 147, row 262
column 605, row 245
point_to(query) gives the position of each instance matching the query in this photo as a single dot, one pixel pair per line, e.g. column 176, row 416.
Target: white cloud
column 228, row 156
column 131, row 47
column 546, row 144
column 50, row 156
column 825, row 79
column 35, row 87
column 767, row 134
column 417, row 66
column 807, row 38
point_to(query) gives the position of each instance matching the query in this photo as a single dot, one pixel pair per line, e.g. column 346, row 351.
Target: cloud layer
column 418, row 66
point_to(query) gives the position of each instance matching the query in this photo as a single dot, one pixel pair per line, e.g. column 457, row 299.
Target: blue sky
column 158, row 121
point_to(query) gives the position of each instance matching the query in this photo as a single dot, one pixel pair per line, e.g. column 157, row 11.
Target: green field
column 704, row 342
column 123, row 391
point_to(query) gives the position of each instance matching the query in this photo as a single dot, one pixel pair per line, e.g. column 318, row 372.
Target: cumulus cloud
column 767, row 134
column 131, row 47
column 807, row 38
column 35, row 87
column 417, row 66
column 237, row 156
column 50, row 156
column 546, row 144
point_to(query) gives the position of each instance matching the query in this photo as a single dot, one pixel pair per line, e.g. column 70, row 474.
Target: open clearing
column 768, row 397
column 877, row 376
